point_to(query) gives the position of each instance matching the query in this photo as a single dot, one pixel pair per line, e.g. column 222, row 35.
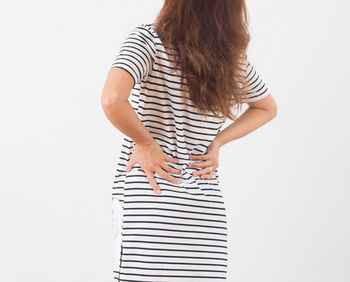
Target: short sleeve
column 256, row 86
column 136, row 54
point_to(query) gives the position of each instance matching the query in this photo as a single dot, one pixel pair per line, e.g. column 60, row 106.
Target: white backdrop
column 286, row 185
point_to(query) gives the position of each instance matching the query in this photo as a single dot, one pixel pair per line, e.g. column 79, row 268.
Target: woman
column 171, row 87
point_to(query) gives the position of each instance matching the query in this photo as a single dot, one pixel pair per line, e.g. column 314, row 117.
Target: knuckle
column 152, row 167
column 174, row 180
column 147, row 170
column 168, row 177
column 168, row 168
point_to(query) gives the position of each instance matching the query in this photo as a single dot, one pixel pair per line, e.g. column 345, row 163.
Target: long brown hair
column 210, row 40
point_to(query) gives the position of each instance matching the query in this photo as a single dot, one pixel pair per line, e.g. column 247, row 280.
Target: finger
column 153, row 182
column 202, row 164
column 208, row 176
column 130, row 164
column 170, row 169
column 167, row 176
column 170, row 159
column 204, row 171
column 199, row 157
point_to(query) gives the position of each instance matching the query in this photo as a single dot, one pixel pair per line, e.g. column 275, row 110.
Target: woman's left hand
column 211, row 160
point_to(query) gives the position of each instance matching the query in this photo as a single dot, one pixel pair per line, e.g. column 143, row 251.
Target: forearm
column 122, row 115
column 250, row 120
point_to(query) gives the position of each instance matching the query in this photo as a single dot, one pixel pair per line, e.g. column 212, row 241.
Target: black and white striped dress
column 181, row 234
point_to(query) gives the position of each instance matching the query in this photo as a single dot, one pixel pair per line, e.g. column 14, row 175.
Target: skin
column 149, row 154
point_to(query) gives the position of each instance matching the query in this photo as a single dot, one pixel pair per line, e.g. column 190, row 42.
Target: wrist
column 147, row 142
column 217, row 142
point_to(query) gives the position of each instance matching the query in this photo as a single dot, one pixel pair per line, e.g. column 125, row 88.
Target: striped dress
column 180, row 234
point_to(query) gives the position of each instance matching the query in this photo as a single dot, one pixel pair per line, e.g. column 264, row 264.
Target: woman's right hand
column 152, row 159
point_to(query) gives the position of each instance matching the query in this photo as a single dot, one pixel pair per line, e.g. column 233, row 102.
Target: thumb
column 130, row 164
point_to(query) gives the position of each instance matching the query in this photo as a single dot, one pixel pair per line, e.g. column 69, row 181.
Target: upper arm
column 256, row 88
column 258, row 94
column 131, row 65
column 136, row 54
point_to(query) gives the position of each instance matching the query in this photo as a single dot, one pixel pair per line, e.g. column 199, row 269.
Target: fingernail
column 179, row 181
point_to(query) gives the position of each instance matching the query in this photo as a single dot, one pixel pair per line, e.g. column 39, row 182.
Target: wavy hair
column 209, row 39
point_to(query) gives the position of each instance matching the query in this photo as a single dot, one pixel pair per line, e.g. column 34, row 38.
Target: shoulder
column 146, row 30
column 146, row 33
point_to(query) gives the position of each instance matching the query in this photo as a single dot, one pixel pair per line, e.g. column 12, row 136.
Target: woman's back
column 179, row 128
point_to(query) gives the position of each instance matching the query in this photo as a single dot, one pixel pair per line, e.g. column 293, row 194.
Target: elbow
column 105, row 100
column 273, row 110
column 109, row 101
column 106, row 103
column 113, row 106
